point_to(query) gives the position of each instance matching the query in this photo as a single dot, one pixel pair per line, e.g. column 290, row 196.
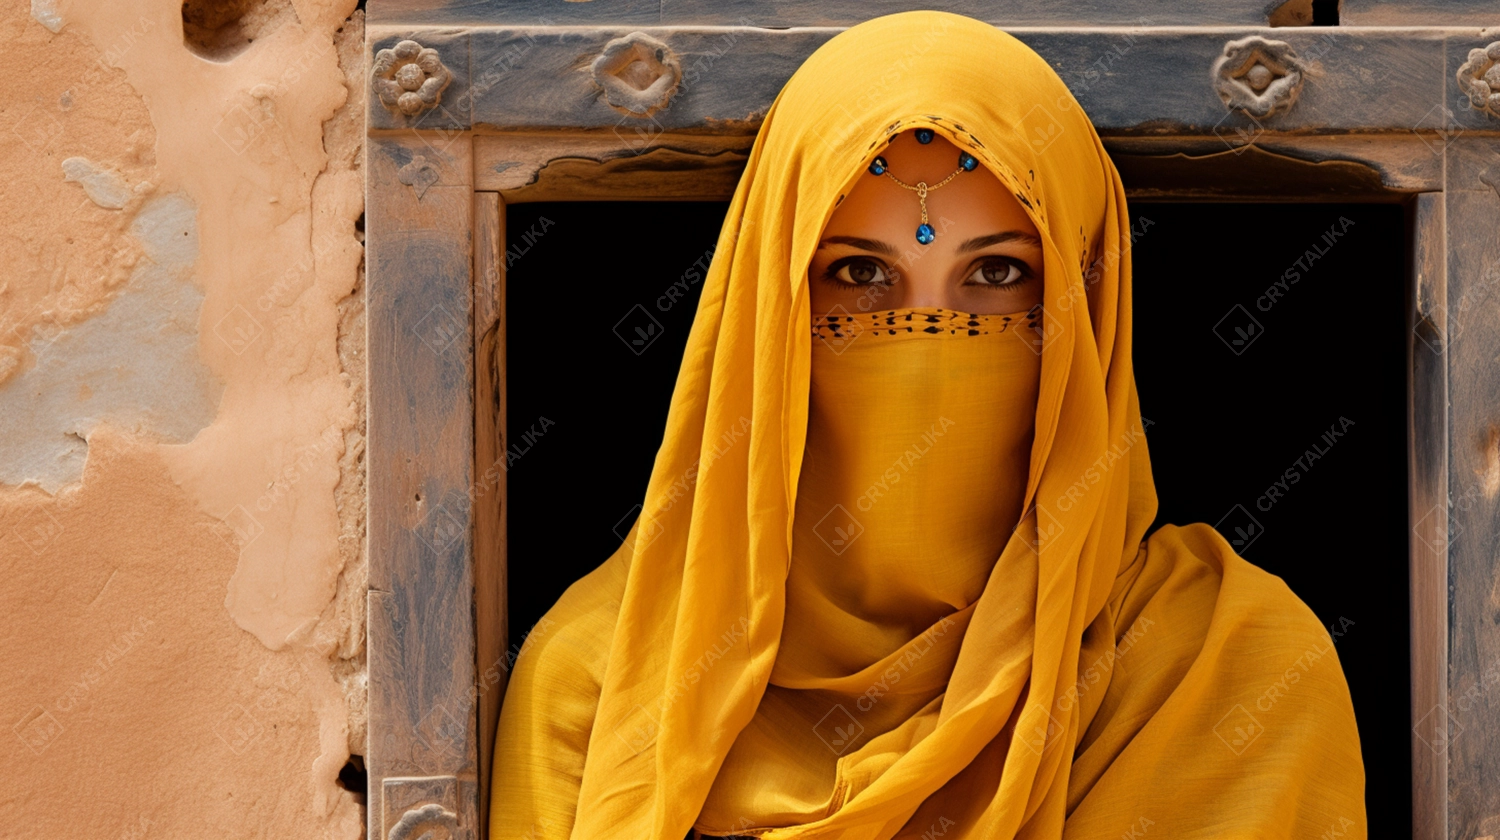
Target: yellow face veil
column 619, row 720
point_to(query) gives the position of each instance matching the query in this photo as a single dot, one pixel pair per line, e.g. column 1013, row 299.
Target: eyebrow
column 986, row 241
column 860, row 242
column 975, row 244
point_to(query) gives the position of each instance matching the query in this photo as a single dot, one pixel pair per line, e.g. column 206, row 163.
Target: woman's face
column 986, row 258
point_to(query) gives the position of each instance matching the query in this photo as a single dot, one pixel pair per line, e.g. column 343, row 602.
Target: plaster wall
column 181, row 417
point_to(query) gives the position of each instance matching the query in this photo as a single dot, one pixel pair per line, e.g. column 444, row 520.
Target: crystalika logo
column 1240, row 528
column 638, row 329
column 838, row 730
column 838, row 529
column 1238, row 329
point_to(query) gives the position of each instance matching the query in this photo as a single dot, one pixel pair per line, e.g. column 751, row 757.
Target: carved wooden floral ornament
column 1479, row 77
column 638, row 73
column 409, row 78
column 1258, row 76
column 433, row 821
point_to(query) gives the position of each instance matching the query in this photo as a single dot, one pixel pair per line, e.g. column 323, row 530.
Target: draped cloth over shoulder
column 1098, row 686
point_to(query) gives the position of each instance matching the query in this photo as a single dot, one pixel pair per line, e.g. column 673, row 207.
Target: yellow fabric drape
column 918, row 447
column 1099, row 687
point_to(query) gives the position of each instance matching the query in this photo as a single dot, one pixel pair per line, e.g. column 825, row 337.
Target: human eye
column 858, row 271
column 999, row 272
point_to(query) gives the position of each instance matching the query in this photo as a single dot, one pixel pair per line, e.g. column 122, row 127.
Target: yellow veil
column 1118, row 688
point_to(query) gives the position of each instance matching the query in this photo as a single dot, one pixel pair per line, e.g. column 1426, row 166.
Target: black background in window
column 595, row 338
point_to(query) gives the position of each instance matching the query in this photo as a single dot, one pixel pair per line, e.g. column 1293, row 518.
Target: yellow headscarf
column 1084, row 685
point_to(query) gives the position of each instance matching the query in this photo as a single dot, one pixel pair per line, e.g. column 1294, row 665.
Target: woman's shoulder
column 548, row 714
column 573, row 637
column 1225, row 691
column 1201, row 622
column 1193, row 569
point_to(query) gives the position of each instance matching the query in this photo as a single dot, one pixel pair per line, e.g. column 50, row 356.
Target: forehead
column 969, row 201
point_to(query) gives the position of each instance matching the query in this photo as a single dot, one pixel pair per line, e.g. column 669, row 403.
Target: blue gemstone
column 924, row 136
column 877, row 166
column 924, row 234
column 967, row 161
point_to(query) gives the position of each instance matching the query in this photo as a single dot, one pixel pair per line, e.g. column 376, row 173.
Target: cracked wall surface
column 182, row 417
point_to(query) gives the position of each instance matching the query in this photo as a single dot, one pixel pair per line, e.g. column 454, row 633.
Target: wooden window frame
column 522, row 118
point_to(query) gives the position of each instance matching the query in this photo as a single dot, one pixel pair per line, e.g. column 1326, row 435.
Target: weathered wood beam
column 1131, row 81
column 491, row 506
column 823, row 13
column 1427, row 502
column 1471, row 339
column 1418, row 13
column 602, row 166
column 419, row 211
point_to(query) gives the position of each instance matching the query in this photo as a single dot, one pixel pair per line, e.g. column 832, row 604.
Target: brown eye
column 859, row 271
column 996, row 273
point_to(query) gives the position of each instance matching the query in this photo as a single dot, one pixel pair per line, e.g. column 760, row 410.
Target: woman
column 889, row 579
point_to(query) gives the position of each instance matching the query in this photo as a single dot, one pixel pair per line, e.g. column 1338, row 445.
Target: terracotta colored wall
column 181, row 418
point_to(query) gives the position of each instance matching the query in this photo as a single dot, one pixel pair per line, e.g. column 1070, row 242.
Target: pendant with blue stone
column 966, row 163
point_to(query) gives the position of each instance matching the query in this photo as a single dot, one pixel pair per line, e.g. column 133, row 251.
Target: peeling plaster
column 135, row 366
column 103, row 185
column 45, row 12
column 215, row 533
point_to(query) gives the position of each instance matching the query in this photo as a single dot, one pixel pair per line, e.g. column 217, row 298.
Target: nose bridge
column 924, row 280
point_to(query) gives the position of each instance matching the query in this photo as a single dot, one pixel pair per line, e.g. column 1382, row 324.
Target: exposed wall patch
column 135, row 366
column 104, row 185
column 45, row 13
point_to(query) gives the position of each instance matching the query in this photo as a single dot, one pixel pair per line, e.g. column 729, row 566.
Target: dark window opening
column 1317, row 294
column 595, row 338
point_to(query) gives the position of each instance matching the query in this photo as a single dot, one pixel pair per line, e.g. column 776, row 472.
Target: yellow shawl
column 1099, row 686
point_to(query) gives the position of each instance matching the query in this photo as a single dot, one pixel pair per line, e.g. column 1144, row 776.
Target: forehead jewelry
column 966, row 163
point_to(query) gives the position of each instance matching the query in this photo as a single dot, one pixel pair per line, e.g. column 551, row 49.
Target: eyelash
column 1022, row 268
column 830, row 274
